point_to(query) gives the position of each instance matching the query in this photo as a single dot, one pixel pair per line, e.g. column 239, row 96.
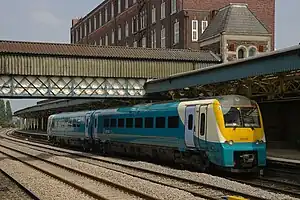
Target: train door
column 189, row 126
column 50, row 125
column 87, row 125
column 202, row 126
column 96, row 124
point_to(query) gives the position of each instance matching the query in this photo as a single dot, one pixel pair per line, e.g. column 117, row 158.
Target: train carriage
column 224, row 132
column 71, row 128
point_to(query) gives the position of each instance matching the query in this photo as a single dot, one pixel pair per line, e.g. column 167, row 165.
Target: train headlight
column 229, row 142
column 259, row 141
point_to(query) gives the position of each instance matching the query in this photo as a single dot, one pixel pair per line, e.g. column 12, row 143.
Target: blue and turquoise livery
column 224, row 132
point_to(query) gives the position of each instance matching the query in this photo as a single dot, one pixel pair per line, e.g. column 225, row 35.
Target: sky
column 50, row 21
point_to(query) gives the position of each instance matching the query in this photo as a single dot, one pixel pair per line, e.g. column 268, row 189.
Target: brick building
column 161, row 23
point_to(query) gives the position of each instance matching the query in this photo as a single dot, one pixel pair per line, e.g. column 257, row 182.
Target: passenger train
column 224, row 132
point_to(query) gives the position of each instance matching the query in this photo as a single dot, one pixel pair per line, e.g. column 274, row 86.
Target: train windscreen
column 239, row 111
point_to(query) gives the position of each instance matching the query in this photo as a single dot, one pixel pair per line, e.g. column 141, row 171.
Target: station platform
column 284, row 155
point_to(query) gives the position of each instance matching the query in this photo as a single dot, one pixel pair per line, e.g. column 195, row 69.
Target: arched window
column 241, row 53
column 252, row 51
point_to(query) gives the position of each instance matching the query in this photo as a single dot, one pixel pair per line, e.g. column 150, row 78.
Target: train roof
column 72, row 114
column 163, row 106
column 157, row 106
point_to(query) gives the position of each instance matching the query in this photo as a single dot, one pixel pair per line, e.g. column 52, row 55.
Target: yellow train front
column 238, row 128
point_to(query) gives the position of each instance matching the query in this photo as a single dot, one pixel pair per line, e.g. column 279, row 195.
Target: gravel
column 43, row 186
column 82, row 181
column 183, row 185
column 150, row 188
column 9, row 190
column 199, row 177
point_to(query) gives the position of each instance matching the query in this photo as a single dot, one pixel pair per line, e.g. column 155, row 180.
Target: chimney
column 213, row 13
column 74, row 21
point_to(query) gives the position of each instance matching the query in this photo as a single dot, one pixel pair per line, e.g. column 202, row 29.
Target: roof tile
column 61, row 49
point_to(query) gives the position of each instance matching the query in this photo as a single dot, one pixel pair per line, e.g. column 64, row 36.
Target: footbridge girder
column 14, row 86
column 50, row 70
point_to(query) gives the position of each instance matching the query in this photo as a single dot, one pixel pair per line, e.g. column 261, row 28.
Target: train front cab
column 242, row 146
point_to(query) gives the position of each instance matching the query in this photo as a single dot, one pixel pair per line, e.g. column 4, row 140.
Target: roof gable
column 234, row 19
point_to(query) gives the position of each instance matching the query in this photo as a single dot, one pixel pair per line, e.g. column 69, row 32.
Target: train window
column 113, row 122
column 129, row 122
column 173, row 122
column 106, row 123
column 138, row 122
column 190, row 122
column 121, row 123
column 202, row 125
column 95, row 122
column 148, row 122
column 160, row 122
column 78, row 124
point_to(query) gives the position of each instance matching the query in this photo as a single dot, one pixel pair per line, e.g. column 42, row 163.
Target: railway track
column 91, row 186
column 10, row 188
column 196, row 188
column 273, row 185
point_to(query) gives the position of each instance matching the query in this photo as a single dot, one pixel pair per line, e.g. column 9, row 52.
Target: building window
column 72, row 37
column 113, row 36
column 144, row 45
column 77, row 35
column 106, row 40
column 95, row 22
column 80, row 32
column 134, row 43
column 90, row 25
column 85, row 29
column 204, row 25
column 126, row 29
column 100, row 19
column 163, row 10
column 173, row 6
column 119, row 32
column 194, row 30
column 176, row 32
column 126, row 4
column 134, row 24
column 242, row 52
column 112, row 10
column 153, row 14
column 100, row 41
column 142, row 18
column 163, row 38
column 119, row 6
column 127, row 45
column 134, row 1
column 153, row 38
column 252, row 51
column 105, row 17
